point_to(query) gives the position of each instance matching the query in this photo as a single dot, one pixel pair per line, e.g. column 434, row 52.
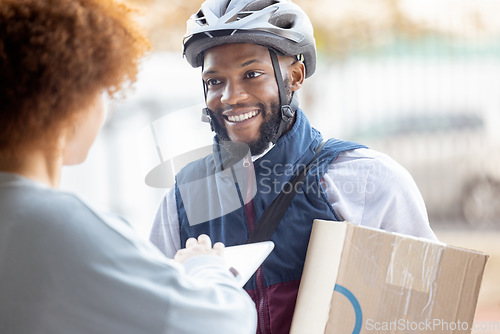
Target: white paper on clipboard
column 245, row 259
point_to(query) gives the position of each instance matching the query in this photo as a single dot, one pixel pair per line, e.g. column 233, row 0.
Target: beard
column 268, row 129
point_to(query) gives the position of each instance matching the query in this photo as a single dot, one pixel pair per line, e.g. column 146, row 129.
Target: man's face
column 243, row 94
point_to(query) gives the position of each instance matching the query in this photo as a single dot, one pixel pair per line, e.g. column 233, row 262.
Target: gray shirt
column 66, row 268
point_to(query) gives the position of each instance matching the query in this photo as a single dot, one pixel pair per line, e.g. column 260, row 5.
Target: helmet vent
column 284, row 21
column 201, row 20
column 259, row 5
column 242, row 15
column 224, row 6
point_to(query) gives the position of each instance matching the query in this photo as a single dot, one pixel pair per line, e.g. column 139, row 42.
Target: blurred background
column 416, row 79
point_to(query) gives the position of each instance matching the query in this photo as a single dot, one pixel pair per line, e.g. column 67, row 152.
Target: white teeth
column 242, row 117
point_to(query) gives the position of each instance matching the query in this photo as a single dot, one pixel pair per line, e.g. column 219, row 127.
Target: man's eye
column 251, row 75
column 212, row 82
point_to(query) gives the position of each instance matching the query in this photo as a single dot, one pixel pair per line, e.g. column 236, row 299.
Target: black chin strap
column 287, row 110
column 206, row 114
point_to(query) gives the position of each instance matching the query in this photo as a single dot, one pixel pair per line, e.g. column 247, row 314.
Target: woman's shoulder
column 29, row 205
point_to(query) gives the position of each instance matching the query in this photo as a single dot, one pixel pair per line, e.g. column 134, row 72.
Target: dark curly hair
column 55, row 56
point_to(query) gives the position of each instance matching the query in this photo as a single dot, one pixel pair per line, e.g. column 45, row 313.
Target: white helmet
column 276, row 24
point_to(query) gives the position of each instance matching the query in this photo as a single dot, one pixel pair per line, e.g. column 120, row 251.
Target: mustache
column 259, row 106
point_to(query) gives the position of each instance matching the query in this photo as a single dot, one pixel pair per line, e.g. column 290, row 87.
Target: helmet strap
column 287, row 110
column 206, row 114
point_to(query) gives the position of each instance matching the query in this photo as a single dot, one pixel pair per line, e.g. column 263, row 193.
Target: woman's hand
column 202, row 246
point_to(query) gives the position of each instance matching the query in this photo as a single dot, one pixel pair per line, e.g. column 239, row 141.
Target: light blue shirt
column 66, row 268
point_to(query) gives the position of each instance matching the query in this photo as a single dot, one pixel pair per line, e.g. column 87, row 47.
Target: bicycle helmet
column 280, row 25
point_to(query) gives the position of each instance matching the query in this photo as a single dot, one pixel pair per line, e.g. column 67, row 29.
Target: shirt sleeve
column 165, row 231
column 76, row 270
column 369, row 188
column 211, row 301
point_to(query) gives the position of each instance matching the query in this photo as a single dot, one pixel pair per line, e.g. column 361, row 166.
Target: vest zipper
column 260, row 289
column 262, row 307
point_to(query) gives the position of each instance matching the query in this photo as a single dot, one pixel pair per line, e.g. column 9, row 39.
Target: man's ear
column 296, row 74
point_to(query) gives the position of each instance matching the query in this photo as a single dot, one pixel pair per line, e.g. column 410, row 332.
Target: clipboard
column 244, row 260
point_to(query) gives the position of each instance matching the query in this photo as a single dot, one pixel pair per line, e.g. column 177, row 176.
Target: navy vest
column 292, row 152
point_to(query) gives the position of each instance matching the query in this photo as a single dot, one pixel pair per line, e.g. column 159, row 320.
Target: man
column 255, row 56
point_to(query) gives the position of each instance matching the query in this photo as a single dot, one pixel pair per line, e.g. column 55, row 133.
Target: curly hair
column 55, row 56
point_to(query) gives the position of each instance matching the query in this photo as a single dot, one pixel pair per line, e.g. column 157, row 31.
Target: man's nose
column 233, row 93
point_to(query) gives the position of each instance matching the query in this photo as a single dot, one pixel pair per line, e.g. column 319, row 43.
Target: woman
column 65, row 268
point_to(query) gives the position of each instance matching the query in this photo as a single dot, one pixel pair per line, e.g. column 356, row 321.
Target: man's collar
column 258, row 156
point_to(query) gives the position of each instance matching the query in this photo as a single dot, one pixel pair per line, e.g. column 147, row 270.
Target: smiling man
column 255, row 56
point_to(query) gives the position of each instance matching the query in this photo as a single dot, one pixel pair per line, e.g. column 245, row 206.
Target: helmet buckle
column 206, row 118
column 286, row 113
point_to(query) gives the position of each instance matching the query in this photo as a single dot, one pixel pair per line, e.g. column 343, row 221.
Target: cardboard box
column 362, row 280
